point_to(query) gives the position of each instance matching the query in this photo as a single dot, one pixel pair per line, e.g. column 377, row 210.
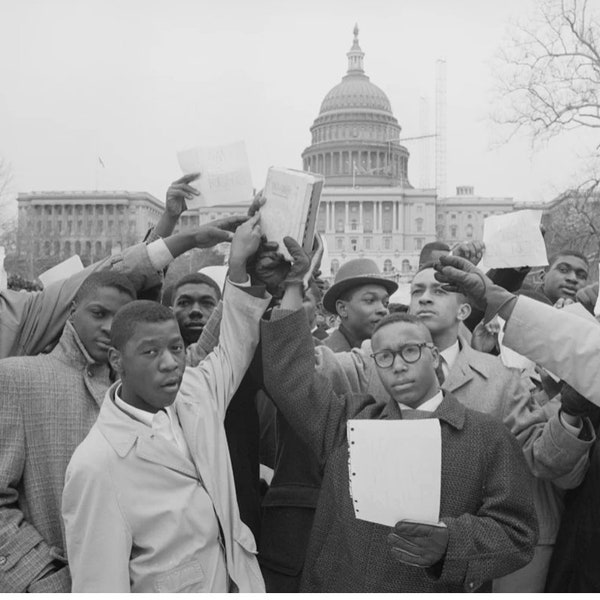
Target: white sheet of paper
column 514, row 240
column 62, row 270
column 225, row 174
column 395, row 470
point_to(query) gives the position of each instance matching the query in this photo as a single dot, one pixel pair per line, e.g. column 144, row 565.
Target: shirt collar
column 427, row 406
column 450, row 354
column 145, row 417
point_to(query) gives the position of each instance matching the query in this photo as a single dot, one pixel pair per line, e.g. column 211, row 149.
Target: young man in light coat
column 149, row 503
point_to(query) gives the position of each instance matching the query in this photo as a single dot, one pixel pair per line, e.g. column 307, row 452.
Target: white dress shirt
column 427, row 406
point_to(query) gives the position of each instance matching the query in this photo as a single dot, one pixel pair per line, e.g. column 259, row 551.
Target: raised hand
column 180, row 191
column 472, row 251
column 462, row 276
column 218, row 231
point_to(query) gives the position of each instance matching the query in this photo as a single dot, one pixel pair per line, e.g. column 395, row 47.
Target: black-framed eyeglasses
column 410, row 353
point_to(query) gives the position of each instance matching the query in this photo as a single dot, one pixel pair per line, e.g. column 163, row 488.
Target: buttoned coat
column 48, row 403
column 29, row 321
column 128, row 496
column 485, row 495
column 481, row 382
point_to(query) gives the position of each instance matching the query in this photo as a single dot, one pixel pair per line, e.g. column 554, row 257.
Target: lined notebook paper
column 395, row 470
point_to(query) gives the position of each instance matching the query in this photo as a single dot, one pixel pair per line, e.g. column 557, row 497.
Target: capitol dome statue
column 355, row 138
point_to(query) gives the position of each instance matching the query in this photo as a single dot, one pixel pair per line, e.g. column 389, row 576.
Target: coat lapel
column 155, row 449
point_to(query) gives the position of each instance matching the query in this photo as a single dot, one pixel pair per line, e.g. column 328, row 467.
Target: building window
column 469, row 230
column 453, row 230
column 387, row 243
column 387, row 266
column 354, row 245
column 339, row 225
column 419, row 224
column 367, row 243
column 405, row 266
column 469, row 216
column 339, row 242
column 353, row 225
column 453, row 217
column 335, row 265
column 77, row 247
column 418, row 243
column 419, row 208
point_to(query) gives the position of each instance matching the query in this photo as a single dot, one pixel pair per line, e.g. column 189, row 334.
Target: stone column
column 346, row 216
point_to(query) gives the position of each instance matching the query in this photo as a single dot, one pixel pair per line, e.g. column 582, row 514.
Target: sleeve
column 222, row 371
column 29, row 321
column 24, row 555
column 303, row 394
column 551, row 452
column 500, row 537
column 561, row 342
column 98, row 537
column 209, row 338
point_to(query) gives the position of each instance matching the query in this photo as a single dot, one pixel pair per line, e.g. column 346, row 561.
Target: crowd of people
column 195, row 438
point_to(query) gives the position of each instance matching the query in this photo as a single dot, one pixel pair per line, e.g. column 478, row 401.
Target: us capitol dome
column 355, row 137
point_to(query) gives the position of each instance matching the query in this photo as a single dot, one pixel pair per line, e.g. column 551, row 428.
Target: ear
column 464, row 310
column 340, row 308
column 72, row 309
column 115, row 360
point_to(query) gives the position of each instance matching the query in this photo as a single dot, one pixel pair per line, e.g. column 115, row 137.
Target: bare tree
column 8, row 216
column 548, row 75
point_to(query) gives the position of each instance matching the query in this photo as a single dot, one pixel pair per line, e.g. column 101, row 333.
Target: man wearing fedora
column 359, row 296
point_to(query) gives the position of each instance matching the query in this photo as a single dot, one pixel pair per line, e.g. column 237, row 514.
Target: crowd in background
column 194, row 438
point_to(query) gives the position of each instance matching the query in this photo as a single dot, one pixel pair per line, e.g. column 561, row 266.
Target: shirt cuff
column 159, row 254
column 574, row 430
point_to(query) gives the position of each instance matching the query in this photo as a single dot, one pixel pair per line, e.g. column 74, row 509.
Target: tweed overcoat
column 337, row 342
column 48, row 403
column 486, row 499
column 29, row 321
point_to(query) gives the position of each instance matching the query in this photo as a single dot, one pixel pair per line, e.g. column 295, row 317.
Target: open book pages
column 291, row 207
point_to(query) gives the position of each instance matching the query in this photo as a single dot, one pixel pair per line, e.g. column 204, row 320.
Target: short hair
column 196, row 278
column 401, row 317
column 568, row 252
column 105, row 279
column 429, row 248
column 130, row 315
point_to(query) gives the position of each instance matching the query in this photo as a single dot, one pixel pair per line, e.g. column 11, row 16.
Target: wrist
column 237, row 271
column 573, row 420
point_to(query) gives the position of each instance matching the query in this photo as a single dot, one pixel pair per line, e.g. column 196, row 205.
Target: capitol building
column 369, row 208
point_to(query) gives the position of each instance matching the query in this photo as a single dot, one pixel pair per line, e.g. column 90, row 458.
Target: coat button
column 3, row 560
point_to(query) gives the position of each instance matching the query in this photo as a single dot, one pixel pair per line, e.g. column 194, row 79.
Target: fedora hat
column 354, row 273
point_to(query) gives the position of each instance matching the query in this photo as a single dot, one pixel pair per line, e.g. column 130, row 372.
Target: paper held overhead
column 513, row 240
column 224, row 174
column 62, row 270
column 292, row 203
column 395, row 470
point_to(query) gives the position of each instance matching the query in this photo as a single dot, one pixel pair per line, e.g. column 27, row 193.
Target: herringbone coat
column 486, row 499
column 48, row 403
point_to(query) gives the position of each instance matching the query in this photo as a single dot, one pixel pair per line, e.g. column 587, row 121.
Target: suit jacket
column 48, row 403
column 485, row 499
column 29, row 321
column 128, row 501
column 481, row 382
column 337, row 342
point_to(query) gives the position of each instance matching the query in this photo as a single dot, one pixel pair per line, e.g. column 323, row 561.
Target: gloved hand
column 461, row 276
column 587, row 296
column 418, row 544
column 269, row 267
column 301, row 263
column 574, row 404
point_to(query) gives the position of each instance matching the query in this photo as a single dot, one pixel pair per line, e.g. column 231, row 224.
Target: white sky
column 134, row 81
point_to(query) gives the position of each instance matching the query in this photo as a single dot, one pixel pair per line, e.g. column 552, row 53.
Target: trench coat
column 128, row 495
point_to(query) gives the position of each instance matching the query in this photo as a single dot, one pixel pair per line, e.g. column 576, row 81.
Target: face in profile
column 410, row 383
column 565, row 277
column 437, row 308
column 151, row 365
column 366, row 306
column 192, row 306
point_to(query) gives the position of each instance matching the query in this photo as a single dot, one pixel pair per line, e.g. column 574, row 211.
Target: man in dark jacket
column 486, row 509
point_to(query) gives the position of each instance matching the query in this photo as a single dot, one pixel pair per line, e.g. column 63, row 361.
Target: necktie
column 439, row 371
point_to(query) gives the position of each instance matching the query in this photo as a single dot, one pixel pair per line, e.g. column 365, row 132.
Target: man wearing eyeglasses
column 487, row 523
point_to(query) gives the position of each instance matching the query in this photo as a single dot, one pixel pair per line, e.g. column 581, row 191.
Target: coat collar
column 467, row 362
column 70, row 349
column 450, row 411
